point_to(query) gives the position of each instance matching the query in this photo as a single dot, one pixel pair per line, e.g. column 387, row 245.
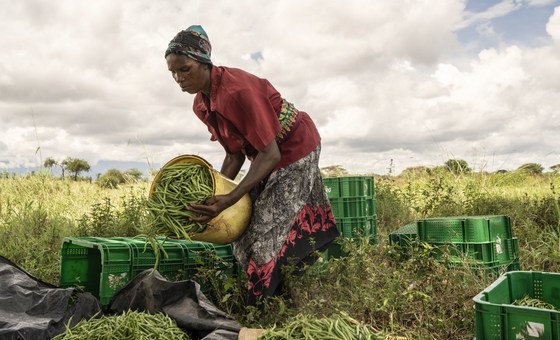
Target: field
column 412, row 297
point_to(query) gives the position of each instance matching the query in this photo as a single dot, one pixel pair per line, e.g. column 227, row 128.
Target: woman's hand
column 212, row 207
column 261, row 167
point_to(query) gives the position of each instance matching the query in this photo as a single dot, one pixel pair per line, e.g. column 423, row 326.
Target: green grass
column 414, row 297
column 37, row 212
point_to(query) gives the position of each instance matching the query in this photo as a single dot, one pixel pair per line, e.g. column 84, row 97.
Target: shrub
column 111, row 179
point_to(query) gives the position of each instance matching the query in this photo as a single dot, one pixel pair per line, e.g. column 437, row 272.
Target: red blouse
column 242, row 114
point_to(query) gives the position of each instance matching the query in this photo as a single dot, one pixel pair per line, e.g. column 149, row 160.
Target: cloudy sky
column 390, row 84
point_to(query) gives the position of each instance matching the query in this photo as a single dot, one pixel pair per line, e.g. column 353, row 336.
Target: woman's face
column 192, row 76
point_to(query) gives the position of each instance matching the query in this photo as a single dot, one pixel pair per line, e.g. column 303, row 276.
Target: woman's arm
column 261, row 167
column 232, row 164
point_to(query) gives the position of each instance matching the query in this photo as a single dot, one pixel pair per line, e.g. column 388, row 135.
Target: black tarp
column 182, row 301
column 34, row 310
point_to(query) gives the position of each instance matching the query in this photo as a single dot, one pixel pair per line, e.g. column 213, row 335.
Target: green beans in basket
column 129, row 325
column 179, row 186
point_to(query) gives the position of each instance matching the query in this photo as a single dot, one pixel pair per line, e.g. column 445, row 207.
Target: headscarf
column 192, row 42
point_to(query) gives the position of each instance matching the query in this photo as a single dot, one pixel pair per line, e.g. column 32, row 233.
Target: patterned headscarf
column 192, row 42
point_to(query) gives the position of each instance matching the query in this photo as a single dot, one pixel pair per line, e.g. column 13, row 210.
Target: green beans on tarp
column 129, row 325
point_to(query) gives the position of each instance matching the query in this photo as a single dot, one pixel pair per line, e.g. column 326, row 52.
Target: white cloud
column 553, row 25
column 540, row 3
column 382, row 80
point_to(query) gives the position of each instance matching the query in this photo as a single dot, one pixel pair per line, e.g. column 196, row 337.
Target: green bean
column 304, row 327
column 178, row 186
column 527, row 301
column 128, row 325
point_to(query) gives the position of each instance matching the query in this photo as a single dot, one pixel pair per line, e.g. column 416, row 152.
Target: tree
column 333, row 171
column 75, row 166
column 415, row 170
column 457, row 166
column 49, row 163
column 531, row 168
column 555, row 168
column 133, row 175
column 111, row 179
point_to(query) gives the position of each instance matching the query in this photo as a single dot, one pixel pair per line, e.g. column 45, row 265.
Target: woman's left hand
column 212, row 207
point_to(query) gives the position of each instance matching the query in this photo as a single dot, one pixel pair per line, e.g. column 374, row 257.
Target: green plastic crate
column 404, row 235
column 465, row 229
column 345, row 207
column 172, row 266
column 200, row 254
column 101, row 266
column 497, row 318
column 351, row 227
column 487, row 253
column 332, row 187
column 349, row 186
column 356, row 186
column 104, row 265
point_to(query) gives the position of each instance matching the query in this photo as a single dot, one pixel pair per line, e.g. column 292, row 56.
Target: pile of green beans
column 179, row 186
column 129, row 325
column 336, row 327
column 527, row 301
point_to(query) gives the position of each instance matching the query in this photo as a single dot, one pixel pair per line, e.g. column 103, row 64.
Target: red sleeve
column 252, row 113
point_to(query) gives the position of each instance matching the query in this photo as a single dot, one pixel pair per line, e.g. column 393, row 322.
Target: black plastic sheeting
column 32, row 309
column 182, row 301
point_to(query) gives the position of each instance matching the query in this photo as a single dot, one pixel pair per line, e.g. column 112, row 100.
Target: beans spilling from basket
column 179, row 186
column 129, row 325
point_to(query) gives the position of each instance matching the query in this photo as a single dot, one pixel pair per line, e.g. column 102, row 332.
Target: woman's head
column 192, row 42
column 188, row 59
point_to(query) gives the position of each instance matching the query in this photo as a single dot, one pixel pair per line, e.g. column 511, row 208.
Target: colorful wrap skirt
column 291, row 219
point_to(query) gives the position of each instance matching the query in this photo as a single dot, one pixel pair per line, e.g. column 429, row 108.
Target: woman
column 291, row 214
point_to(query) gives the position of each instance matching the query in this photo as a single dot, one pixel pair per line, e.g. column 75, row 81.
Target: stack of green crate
column 102, row 266
column 352, row 201
column 500, row 314
column 484, row 242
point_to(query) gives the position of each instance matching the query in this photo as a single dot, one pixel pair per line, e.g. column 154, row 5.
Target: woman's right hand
column 212, row 207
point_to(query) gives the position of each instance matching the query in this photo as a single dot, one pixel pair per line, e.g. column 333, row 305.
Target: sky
column 390, row 84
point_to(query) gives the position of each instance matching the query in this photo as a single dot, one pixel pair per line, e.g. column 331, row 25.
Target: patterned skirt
column 291, row 219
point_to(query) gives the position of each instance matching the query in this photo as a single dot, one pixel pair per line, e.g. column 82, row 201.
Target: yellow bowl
column 230, row 223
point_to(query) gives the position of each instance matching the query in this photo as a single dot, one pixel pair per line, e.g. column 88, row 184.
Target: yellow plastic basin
column 230, row 223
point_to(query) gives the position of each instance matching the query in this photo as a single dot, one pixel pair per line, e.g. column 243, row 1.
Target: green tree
column 133, row 175
column 111, row 179
column 415, row 170
column 75, row 166
column 555, row 168
column 531, row 168
column 49, row 163
column 457, row 166
column 333, row 171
